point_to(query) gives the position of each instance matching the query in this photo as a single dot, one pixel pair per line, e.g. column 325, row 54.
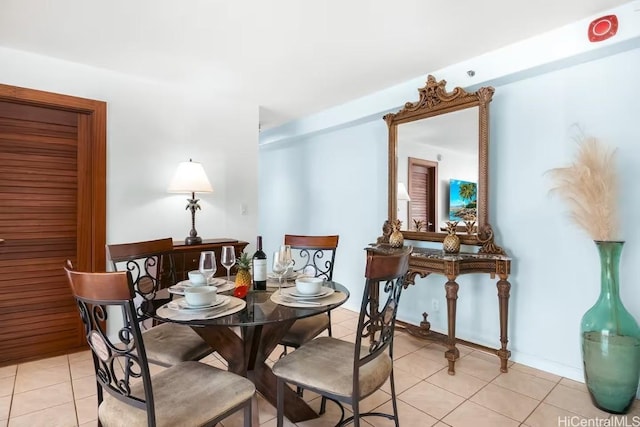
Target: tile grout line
column 492, row 410
column 13, row 392
column 73, row 392
column 569, row 410
column 522, row 394
column 67, row 364
column 425, row 381
column 542, row 400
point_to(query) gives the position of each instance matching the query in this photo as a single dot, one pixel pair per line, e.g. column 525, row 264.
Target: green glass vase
column 610, row 340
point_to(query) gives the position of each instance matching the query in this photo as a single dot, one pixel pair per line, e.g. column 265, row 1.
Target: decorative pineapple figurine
column 451, row 242
column 243, row 277
column 419, row 224
column 396, row 239
column 469, row 225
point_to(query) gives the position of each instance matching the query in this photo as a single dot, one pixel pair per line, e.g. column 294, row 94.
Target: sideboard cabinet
column 187, row 257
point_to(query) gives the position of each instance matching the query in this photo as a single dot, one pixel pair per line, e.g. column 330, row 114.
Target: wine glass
column 285, row 255
column 279, row 267
column 228, row 259
column 207, row 264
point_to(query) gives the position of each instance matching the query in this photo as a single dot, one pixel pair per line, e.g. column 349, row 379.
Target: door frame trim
column 432, row 186
column 92, row 136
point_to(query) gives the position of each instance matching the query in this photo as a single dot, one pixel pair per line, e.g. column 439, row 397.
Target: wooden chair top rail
column 316, row 242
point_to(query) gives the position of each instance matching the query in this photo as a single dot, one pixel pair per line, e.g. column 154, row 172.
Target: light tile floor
column 60, row 391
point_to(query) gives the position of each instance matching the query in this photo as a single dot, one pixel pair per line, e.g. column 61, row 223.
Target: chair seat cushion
column 326, row 364
column 170, row 343
column 306, row 329
column 188, row 394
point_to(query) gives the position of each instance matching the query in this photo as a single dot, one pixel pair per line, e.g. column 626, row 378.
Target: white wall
column 327, row 184
column 556, row 265
column 151, row 126
column 543, row 86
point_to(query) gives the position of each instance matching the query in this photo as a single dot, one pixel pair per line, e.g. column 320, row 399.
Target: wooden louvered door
column 423, row 175
column 49, row 209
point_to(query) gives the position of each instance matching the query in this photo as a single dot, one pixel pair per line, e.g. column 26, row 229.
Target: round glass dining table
column 262, row 324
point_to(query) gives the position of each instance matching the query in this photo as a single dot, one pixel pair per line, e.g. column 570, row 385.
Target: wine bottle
column 259, row 267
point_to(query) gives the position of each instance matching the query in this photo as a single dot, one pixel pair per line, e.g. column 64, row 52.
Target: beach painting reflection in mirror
column 463, row 205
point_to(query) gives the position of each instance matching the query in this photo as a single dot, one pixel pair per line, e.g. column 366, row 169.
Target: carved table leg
column 452, row 354
column 503, row 298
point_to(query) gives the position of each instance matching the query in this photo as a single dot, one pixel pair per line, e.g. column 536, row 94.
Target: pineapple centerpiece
column 243, row 276
column 396, row 239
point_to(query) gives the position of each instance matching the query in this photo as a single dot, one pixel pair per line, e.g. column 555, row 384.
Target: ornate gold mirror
column 438, row 165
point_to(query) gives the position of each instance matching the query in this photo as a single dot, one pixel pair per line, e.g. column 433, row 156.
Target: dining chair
column 152, row 269
column 313, row 255
column 349, row 372
column 186, row 394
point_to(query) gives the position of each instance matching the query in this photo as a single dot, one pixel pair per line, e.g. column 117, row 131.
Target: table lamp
column 403, row 197
column 190, row 178
column 403, row 194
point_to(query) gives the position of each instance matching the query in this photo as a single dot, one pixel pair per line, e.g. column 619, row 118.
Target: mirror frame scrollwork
column 435, row 100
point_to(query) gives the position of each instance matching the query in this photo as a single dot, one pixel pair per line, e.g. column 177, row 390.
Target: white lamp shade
column 402, row 192
column 190, row 178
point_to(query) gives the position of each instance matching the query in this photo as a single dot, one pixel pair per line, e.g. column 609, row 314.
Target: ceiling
column 291, row 57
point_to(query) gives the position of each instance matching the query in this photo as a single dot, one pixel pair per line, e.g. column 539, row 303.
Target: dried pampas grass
column 590, row 188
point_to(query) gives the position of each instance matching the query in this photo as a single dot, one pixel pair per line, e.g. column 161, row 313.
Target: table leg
column 246, row 355
column 452, row 354
column 374, row 299
column 503, row 299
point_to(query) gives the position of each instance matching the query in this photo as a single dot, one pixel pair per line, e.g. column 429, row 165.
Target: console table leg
column 452, row 354
column 503, row 298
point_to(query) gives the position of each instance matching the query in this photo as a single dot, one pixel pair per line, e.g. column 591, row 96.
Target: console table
column 187, row 257
column 434, row 261
column 425, row 261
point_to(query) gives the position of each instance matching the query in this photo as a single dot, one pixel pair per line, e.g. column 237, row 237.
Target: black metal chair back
column 315, row 254
column 150, row 264
column 309, row 366
column 99, row 295
column 385, row 276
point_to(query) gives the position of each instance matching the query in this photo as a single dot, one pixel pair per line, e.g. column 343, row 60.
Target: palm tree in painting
column 467, row 191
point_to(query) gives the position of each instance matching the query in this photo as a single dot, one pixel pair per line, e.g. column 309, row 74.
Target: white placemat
column 335, row 298
column 233, row 306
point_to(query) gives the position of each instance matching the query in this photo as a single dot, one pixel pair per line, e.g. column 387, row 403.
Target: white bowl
column 200, row 296
column 309, row 285
column 196, row 278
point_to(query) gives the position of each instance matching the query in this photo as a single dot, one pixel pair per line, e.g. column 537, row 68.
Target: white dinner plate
column 293, row 292
column 181, row 304
column 221, row 284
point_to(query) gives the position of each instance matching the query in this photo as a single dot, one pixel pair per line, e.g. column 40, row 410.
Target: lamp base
column 195, row 240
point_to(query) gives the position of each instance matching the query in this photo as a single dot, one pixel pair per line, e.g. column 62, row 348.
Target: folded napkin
column 233, row 306
column 335, row 298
